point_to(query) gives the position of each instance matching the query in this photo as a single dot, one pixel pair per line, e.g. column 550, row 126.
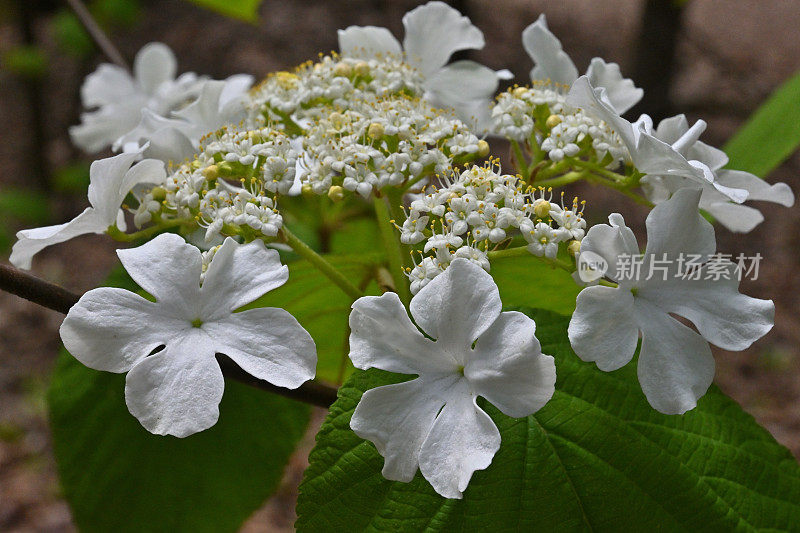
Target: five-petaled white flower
column 649, row 154
column 675, row 364
column 434, row 32
column 676, row 132
column 177, row 390
column 553, row 64
column 110, row 180
column 120, row 97
column 433, row 422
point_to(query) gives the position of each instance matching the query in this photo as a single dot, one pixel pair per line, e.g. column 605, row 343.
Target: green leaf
column 246, row 10
column 527, row 281
column 70, row 35
column 118, row 477
column 595, row 458
column 322, row 308
column 771, row 134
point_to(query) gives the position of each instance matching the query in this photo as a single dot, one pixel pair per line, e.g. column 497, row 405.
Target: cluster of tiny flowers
column 205, row 191
column 539, row 114
column 380, row 142
column 478, row 208
column 334, row 81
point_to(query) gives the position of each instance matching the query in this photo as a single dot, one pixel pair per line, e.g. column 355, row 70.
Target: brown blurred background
column 712, row 59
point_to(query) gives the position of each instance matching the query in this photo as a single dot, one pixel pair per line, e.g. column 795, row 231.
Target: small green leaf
column 246, row 10
column 771, row 134
column 527, row 281
column 597, row 457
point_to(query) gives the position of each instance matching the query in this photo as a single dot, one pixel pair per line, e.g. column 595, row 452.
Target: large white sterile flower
column 434, row 31
column 110, row 180
column 649, row 154
column 175, row 138
column 675, row 363
column 676, row 132
column 433, row 422
column 120, row 97
column 176, row 390
column 552, row 63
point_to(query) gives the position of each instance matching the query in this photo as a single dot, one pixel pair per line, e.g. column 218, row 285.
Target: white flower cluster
column 379, row 142
column 540, row 115
column 312, row 89
column 261, row 161
column 479, row 207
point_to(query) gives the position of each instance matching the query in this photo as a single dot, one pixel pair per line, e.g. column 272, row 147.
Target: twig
column 97, row 34
column 59, row 299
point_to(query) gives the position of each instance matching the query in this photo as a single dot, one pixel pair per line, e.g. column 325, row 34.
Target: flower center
column 196, row 323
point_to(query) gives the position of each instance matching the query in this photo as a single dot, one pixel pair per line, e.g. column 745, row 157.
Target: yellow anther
column 483, row 148
column 574, row 248
column 336, row 193
column 541, row 208
column 342, row 69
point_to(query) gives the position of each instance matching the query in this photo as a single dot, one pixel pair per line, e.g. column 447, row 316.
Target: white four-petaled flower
column 176, row 390
column 433, row 422
column 675, row 363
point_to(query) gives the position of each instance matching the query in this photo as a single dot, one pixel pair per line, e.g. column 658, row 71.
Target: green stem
column 115, row 233
column 305, row 251
column 519, row 157
column 570, row 177
column 391, row 244
column 523, row 251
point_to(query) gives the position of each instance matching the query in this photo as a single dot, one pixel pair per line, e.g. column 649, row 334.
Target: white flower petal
column 108, row 85
column 397, row 418
column 676, row 226
column 204, row 115
column 463, row 439
column 176, row 391
column 435, row 31
column 111, row 329
column 610, row 242
column 465, row 86
column 267, row 343
column 736, row 217
column 236, row 87
column 169, row 269
column 507, row 366
column 106, row 180
column 603, row 327
column 382, row 336
column 101, row 128
column 458, row 305
column 779, row 193
column 621, row 92
column 368, row 42
column 551, row 62
column 32, row 241
column 675, row 363
column 239, row 274
column 722, row 315
column 154, row 64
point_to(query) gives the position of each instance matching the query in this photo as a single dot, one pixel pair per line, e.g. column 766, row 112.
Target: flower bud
column 361, row 68
column 307, row 190
column 159, row 194
column 375, row 131
column 211, row 172
column 336, row 193
column 574, row 248
column 519, row 92
column 342, row 69
column 483, row 148
column 541, row 208
column 552, row 121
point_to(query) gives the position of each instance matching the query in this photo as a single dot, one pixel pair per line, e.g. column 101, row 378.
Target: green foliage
column 771, row 134
column 246, row 10
column 25, row 61
column 596, row 457
column 322, row 308
column 72, row 178
column 527, row 281
column 20, row 205
column 70, row 35
column 118, row 477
